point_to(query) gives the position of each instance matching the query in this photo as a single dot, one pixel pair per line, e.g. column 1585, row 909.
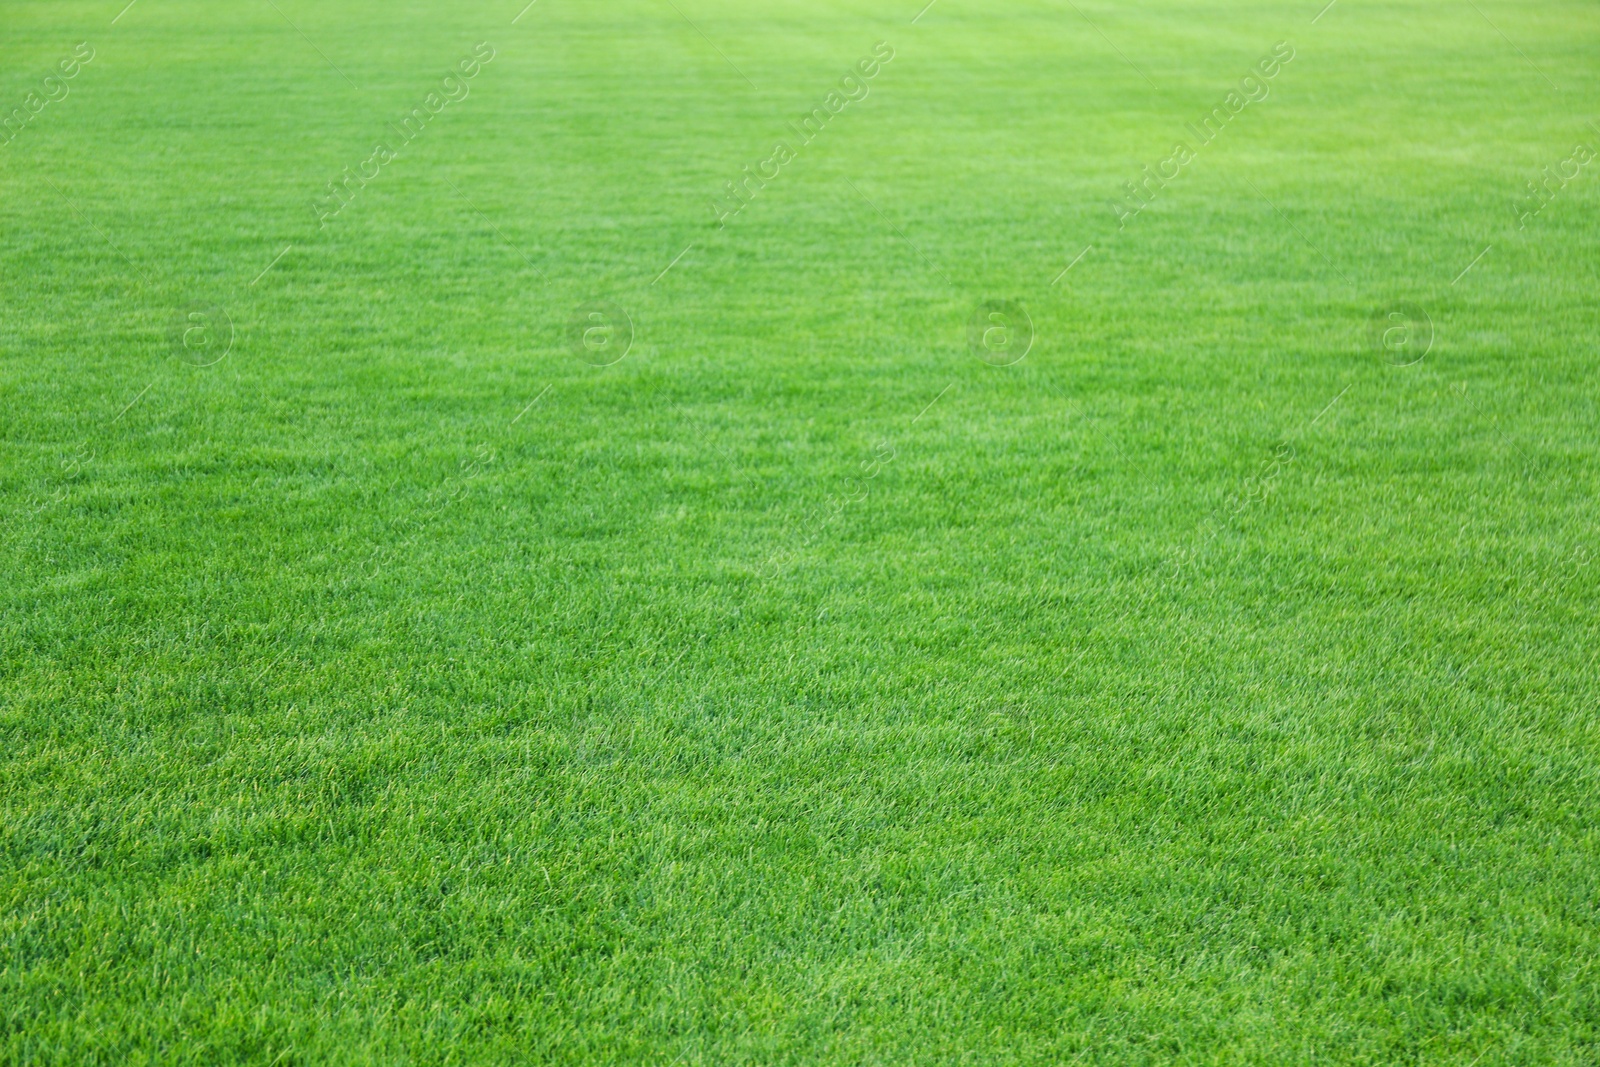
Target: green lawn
column 391, row 674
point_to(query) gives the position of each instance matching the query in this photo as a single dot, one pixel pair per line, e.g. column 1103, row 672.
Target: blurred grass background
column 349, row 716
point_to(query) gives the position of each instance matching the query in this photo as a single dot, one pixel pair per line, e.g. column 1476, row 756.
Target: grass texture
column 391, row 674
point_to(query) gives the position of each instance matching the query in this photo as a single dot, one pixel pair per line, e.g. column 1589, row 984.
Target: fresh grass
column 801, row 689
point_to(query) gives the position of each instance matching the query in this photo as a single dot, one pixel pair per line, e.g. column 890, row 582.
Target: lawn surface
column 391, row 674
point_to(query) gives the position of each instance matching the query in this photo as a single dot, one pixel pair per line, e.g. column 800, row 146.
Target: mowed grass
column 802, row 688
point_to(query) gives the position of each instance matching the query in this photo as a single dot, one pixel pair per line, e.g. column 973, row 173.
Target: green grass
column 802, row 688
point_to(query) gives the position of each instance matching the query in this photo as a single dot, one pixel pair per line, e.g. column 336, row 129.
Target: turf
column 413, row 683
